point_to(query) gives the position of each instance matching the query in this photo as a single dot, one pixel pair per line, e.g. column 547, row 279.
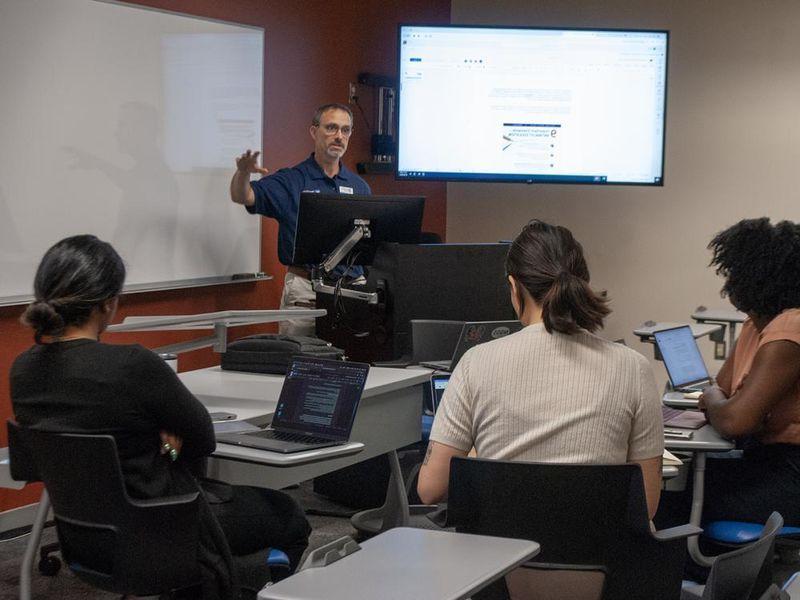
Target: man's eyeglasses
column 333, row 129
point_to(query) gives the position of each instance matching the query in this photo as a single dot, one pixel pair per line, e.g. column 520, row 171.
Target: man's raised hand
column 248, row 163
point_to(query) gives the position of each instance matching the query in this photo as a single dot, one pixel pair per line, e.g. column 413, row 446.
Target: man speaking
column 278, row 196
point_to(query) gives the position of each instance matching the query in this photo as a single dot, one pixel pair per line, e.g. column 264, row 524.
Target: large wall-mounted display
column 536, row 105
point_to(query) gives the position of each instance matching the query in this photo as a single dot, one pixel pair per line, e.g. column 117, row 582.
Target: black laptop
column 472, row 334
column 316, row 408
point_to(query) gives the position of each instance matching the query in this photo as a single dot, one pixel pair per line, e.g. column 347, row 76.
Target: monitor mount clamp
column 360, row 231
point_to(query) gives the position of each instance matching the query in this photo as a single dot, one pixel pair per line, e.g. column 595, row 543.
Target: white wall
column 732, row 150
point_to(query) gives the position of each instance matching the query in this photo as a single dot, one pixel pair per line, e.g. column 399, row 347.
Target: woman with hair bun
column 554, row 391
column 757, row 397
column 70, row 381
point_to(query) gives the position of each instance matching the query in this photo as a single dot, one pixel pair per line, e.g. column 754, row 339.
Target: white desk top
column 278, row 459
column 229, row 318
column 253, row 395
column 698, row 329
column 405, row 564
column 722, row 315
column 705, row 439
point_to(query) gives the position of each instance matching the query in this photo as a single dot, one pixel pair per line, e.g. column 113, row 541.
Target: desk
column 219, row 322
column 645, row 331
column 703, row 440
column 5, row 473
column 724, row 316
column 678, row 400
column 388, row 418
column 404, row 564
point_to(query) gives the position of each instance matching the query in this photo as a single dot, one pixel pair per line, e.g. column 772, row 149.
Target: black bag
column 273, row 352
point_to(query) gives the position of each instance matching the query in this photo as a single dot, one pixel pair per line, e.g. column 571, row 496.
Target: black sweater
column 129, row 392
column 126, row 391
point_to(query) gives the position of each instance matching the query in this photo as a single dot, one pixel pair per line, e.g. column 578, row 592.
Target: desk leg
column 394, row 512
column 731, row 337
column 697, row 511
column 33, row 544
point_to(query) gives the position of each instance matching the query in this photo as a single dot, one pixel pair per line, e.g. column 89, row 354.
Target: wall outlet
column 351, row 93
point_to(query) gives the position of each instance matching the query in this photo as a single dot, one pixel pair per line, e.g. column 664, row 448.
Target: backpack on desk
column 273, row 352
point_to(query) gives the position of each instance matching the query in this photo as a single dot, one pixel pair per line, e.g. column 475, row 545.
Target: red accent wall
column 313, row 50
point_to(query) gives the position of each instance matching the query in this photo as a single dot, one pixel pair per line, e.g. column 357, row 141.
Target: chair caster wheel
column 49, row 566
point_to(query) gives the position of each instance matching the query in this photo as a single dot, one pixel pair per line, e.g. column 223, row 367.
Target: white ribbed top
column 535, row 396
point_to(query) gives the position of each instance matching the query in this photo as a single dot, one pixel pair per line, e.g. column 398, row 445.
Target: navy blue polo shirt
column 278, row 197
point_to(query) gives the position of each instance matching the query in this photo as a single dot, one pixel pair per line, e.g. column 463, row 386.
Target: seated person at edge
column 757, row 396
column 554, row 391
column 70, row 381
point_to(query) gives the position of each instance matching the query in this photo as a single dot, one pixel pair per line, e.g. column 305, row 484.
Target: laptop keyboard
column 298, row 438
column 668, row 412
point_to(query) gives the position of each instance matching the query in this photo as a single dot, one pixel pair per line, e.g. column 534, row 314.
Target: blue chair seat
column 277, row 558
column 739, row 532
column 427, row 424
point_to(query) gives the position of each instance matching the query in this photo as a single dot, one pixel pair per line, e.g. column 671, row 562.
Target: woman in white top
column 554, row 391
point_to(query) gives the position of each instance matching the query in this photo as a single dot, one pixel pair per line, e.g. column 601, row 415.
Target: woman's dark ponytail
column 76, row 275
column 548, row 262
column 43, row 319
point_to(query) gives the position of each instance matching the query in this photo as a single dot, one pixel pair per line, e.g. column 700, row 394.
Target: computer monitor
column 325, row 220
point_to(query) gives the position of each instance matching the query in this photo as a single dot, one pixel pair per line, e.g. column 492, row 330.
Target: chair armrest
column 165, row 501
column 330, row 553
column 677, row 533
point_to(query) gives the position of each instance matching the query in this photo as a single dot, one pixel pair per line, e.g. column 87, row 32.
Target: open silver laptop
column 316, row 408
column 685, row 365
column 472, row 334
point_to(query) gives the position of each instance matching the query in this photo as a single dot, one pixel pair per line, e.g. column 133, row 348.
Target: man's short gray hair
column 332, row 106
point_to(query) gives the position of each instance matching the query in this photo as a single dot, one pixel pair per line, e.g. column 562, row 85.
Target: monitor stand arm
column 360, row 231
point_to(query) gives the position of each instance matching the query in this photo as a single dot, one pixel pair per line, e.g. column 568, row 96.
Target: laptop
column 472, row 334
column 433, row 339
column 685, row 366
column 316, row 408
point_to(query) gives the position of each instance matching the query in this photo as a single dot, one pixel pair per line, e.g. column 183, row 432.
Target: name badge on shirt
column 343, row 189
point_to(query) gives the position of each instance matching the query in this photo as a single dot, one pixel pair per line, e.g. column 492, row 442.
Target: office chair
column 114, row 542
column 586, row 518
column 733, row 574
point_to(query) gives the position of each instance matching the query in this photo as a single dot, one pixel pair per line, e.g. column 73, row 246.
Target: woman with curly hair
column 757, row 397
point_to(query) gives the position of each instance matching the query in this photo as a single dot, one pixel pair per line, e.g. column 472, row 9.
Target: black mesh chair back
column 112, row 541
column 586, row 517
column 734, row 574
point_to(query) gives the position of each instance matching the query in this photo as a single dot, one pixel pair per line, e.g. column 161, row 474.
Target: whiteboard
column 124, row 122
